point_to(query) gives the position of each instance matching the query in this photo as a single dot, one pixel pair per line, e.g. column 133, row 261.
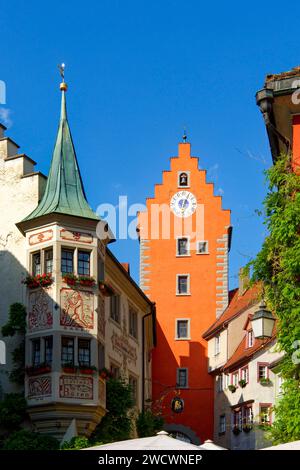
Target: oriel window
column 84, row 263
column 67, row 350
column 36, row 352
column 48, row 261
column 48, row 349
column 67, row 261
column 84, row 352
column 36, row 264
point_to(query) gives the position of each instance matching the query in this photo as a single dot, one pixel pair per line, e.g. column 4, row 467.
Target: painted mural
column 39, row 387
column 76, row 236
column 77, row 309
column 73, row 386
column 40, row 316
column 40, row 237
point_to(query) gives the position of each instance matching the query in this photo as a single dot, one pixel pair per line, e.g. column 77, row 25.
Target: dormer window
column 250, row 339
column 183, row 179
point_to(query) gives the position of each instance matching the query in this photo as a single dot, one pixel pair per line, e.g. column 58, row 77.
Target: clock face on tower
column 183, row 204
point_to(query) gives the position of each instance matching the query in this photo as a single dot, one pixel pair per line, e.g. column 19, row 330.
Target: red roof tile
column 237, row 305
column 244, row 354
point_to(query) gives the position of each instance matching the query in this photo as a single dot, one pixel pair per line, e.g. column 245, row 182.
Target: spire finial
column 184, row 137
column 63, row 86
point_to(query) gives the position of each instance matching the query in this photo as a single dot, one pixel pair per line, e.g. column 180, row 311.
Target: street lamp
column 262, row 322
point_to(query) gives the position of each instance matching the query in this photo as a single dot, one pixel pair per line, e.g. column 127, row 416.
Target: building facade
column 184, row 243
column 85, row 314
column 245, row 382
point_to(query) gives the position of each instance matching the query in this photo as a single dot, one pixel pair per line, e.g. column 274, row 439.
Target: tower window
column 67, row 261
column 202, row 247
column 84, row 263
column 183, row 329
column 183, row 284
column 183, row 179
column 183, row 248
column 182, row 378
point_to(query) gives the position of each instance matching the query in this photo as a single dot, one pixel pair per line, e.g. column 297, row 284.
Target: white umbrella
column 210, row 445
column 295, row 445
column 162, row 440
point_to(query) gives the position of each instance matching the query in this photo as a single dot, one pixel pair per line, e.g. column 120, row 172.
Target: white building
column 245, row 390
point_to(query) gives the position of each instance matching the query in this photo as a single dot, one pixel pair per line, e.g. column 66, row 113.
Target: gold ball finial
column 63, row 86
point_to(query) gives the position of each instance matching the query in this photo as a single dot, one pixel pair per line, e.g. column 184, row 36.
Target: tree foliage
column 28, row 440
column 12, row 411
column 148, row 424
column 76, row 443
column 277, row 265
column 16, row 321
column 116, row 425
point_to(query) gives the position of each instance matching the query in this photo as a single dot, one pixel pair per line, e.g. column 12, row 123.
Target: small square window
column 182, row 378
column 183, row 179
column 182, row 329
column 262, row 371
column 202, row 247
column 182, row 284
column 183, row 248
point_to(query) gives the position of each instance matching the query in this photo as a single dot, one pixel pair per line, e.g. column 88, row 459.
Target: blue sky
column 138, row 72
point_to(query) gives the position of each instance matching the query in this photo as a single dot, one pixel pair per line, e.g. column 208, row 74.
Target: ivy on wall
column 277, row 265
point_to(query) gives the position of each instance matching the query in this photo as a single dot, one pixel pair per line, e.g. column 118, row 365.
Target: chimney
column 244, row 280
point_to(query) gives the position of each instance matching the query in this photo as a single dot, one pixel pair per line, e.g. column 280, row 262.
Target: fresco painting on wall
column 77, row 309
column 39, row 387
column 40, row 310
column 72, row 386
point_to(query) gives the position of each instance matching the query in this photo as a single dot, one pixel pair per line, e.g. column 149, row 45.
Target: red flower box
column 40, row 280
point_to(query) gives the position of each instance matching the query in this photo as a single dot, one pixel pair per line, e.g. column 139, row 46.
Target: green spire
column 64, row 191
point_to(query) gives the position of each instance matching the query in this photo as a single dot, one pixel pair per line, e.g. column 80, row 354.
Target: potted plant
column 106, row 289
column 87, row 281
column 42, row 368
column 104, row 373
column 70, row 279
column 68, row 368
column 40, row 280
column 87, row 370
column 236, row 430
column 232, row 388
column 265, row 381
column 243, row 383
column 247, row 427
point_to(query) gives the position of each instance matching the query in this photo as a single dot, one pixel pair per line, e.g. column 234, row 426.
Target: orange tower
column 184, row 243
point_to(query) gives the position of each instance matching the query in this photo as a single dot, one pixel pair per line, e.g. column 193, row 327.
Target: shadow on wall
column 44, row 318
column 195, row 421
